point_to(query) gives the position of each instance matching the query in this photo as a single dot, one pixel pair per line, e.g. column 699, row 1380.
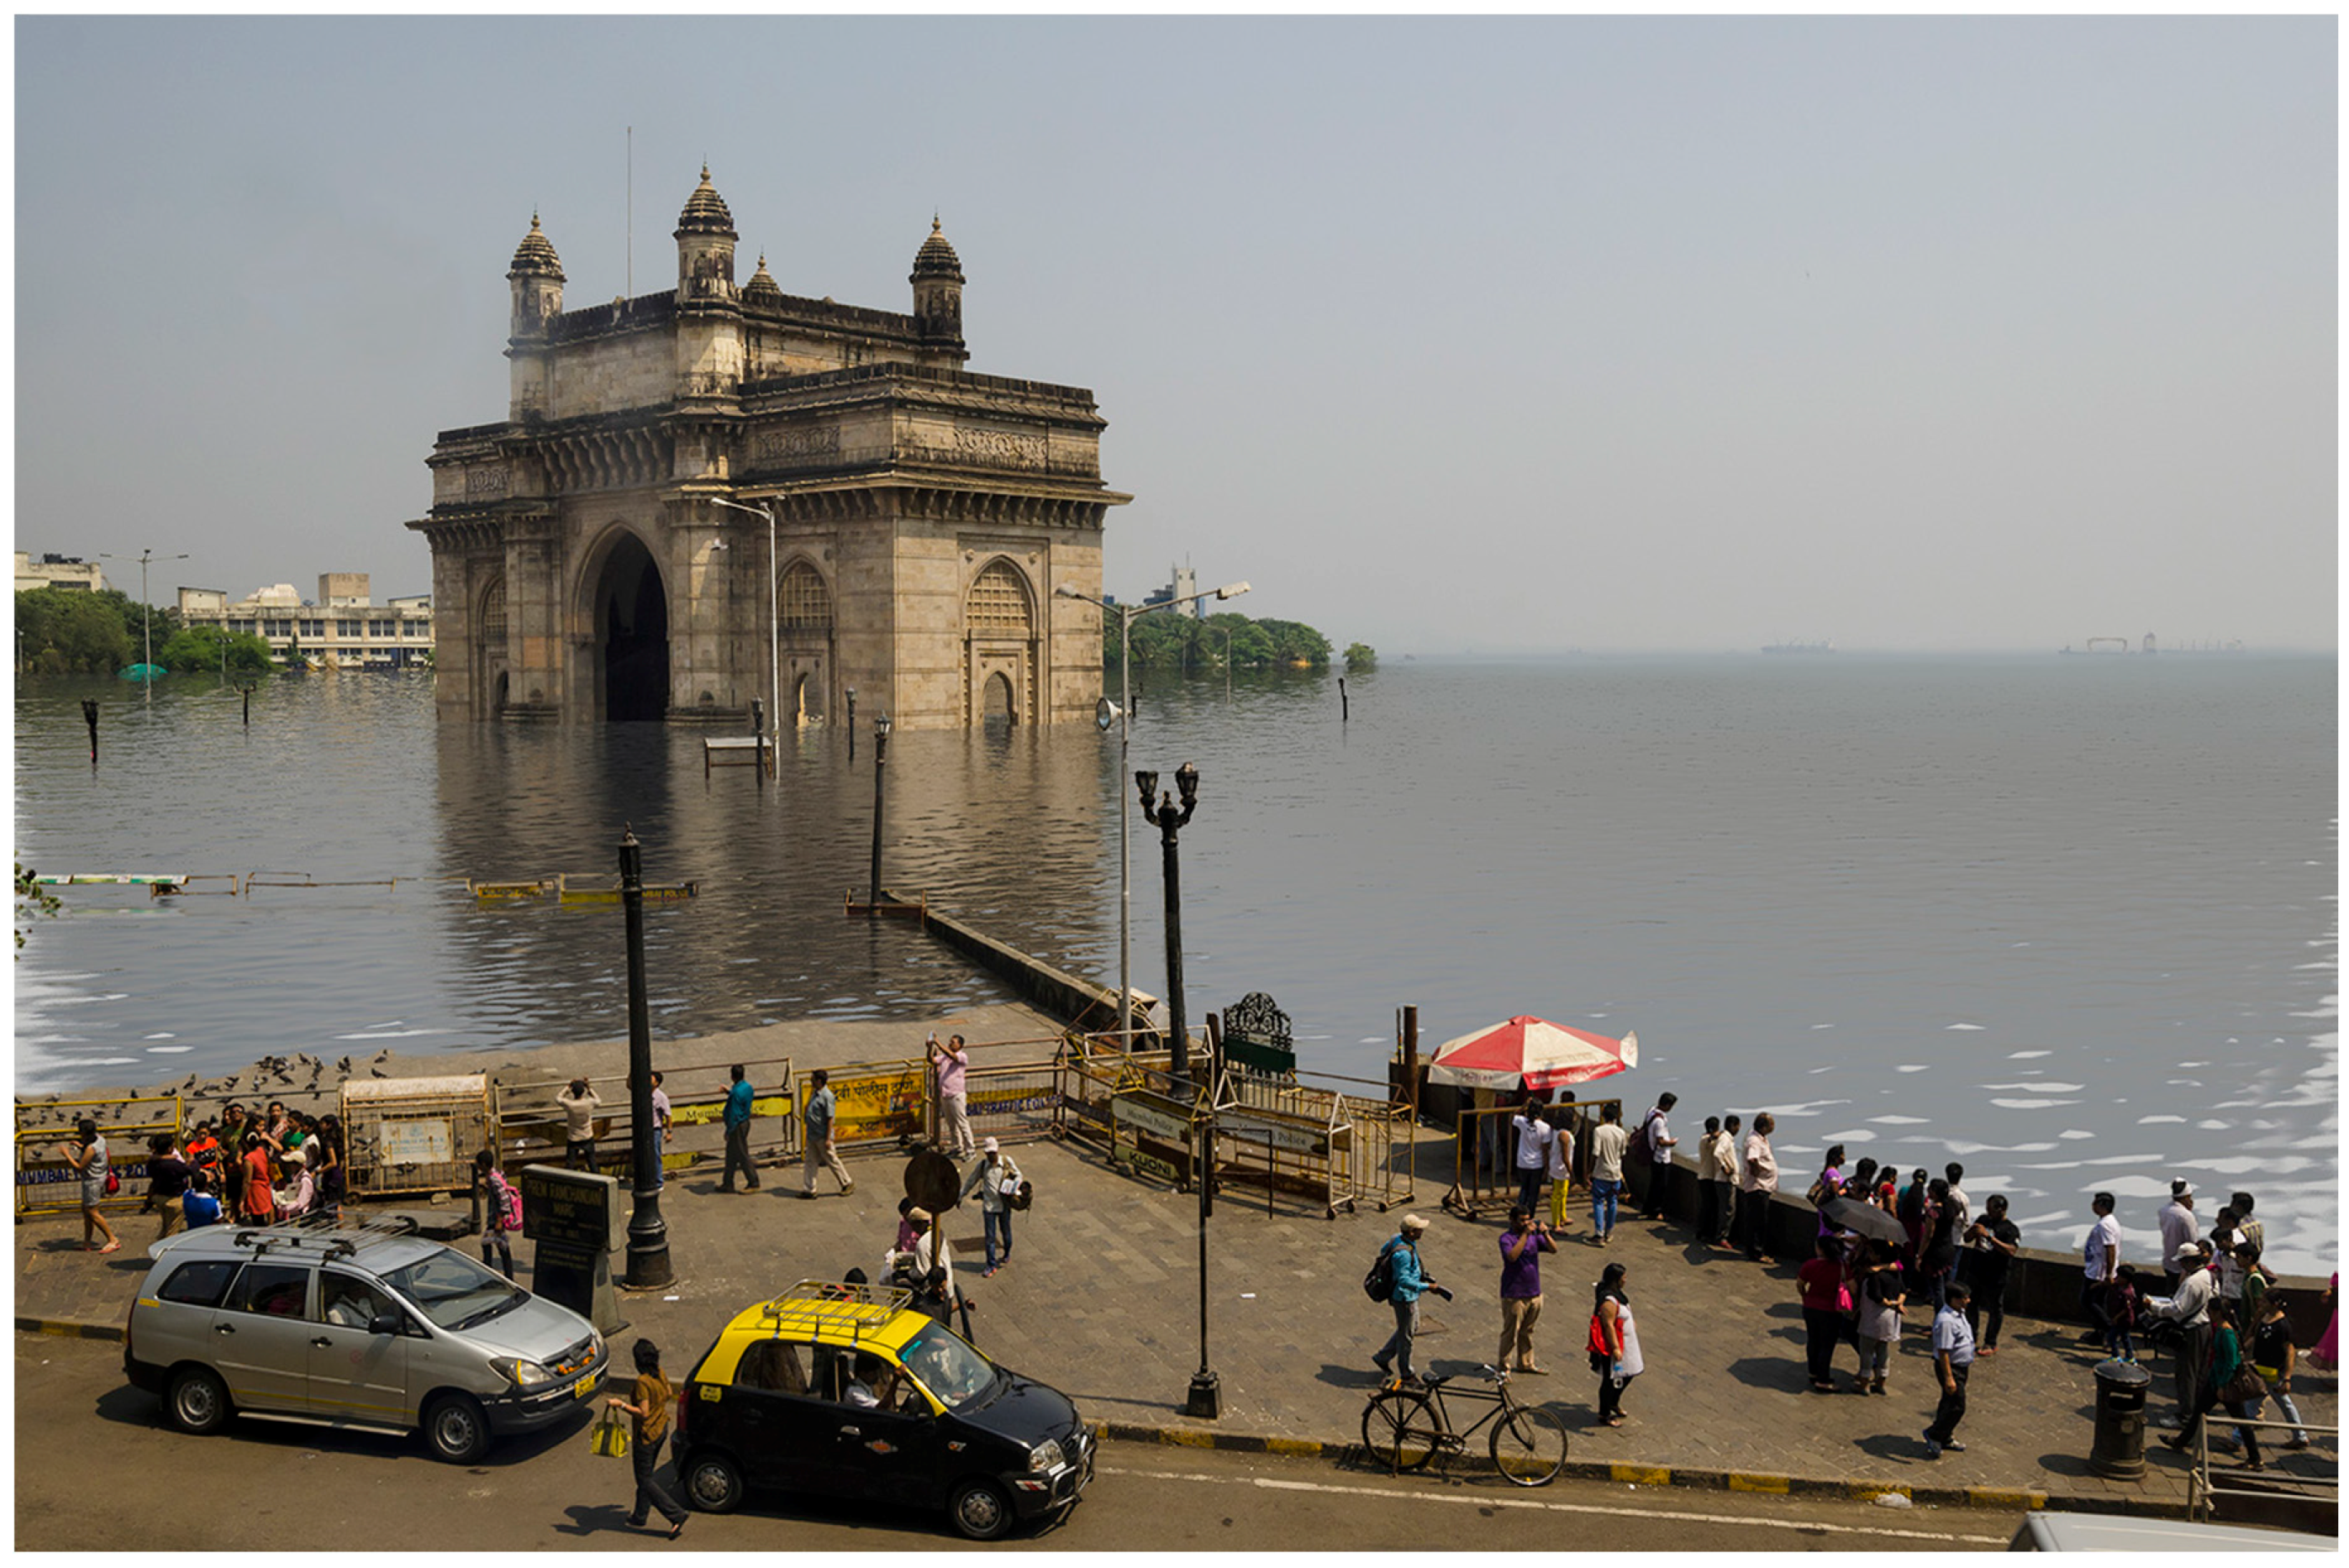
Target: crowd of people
column 266, row 1170
column 1883, row 1246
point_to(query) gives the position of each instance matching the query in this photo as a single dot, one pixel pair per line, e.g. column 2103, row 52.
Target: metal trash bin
column 2119, row 1448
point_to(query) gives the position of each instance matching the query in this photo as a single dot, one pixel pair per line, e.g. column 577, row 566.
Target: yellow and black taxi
column 844, row 1390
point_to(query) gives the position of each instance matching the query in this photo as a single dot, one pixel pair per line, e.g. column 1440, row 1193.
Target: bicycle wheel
column 1529, row 1446
column 1401, row 1430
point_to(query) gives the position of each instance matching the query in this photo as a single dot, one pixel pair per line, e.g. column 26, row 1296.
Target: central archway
column 632, row 624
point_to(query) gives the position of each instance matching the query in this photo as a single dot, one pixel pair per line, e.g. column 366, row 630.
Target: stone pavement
column 1102, row 1300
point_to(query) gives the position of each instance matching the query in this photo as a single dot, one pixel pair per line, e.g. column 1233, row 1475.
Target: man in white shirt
column 1760, row 1180
column 1954, row 1173
column 2178, row 1227
column 1660, row 1144
column 2100, row 1265
column 1953, row 1358
column 2189, row 1306
column 1534, row 1136
column 1607, row 1142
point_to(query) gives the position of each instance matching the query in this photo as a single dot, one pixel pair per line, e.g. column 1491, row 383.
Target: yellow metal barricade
column 46, row 1184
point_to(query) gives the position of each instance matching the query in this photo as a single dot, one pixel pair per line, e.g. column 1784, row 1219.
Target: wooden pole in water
column 248, row 707
column 1410, row 1053
column 1342, row 705
column 90, row 716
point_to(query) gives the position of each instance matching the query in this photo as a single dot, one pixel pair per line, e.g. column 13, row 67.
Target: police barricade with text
column 878, row 1103
column 46, row 1184
column 531, row 1129
column 1130, row 1108
column 1478, row 1185
column 1312, row 1139
column 410, row 1135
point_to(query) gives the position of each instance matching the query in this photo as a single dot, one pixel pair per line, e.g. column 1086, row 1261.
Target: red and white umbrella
column 1545, row 1055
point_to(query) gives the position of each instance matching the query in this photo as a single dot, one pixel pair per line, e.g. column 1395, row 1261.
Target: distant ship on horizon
column 1798, row 648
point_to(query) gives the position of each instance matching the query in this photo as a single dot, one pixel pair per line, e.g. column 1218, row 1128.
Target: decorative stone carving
column 778, row 445
column 1001, row 448
column 485, row 484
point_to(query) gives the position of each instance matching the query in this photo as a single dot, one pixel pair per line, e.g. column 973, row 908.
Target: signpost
column 576, row 1219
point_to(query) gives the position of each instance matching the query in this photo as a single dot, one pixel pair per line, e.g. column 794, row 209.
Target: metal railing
column 1484, row 1152
column 2274, row 1487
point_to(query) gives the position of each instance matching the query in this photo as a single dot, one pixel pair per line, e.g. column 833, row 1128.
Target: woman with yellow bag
column 648, row 1431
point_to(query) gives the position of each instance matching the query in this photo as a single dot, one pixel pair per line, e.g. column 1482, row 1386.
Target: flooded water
column 2071, row 921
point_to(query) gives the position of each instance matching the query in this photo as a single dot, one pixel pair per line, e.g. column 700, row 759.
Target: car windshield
column 959, row 1376
column 454, row 1291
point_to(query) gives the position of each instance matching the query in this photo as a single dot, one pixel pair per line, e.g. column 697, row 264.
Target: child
column 2120, row 1315
column 2271, row 1358
column 200, row 1207
column 1882, row 1295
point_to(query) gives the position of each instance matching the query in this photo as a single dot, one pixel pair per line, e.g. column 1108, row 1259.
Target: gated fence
column 1484, row 1152
column 46, row 1184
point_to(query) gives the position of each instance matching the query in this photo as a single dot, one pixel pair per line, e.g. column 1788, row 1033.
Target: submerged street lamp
column 147, row 612
column 880, row 764
column 1121, row 713
column 774, row 624
column 648, row 1266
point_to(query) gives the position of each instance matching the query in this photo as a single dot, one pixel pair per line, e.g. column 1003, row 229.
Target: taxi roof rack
column 862, row 1306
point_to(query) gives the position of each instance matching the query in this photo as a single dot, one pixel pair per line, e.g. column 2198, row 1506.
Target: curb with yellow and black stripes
column 2005, row 1499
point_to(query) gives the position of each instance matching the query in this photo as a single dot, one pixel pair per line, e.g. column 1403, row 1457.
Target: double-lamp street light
column 1121, row 713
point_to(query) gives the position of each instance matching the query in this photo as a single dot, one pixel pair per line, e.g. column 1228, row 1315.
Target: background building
column 57, row 572
column 924, row 513
column 342, row 627
column 1181, row 585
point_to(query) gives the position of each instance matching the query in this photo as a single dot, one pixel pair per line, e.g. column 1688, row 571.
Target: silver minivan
column 376, row 1328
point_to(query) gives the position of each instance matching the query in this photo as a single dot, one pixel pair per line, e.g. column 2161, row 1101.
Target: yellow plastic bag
column 609, row 1437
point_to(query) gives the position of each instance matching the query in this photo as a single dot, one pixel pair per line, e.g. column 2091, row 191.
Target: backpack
column 1640, row 1148
column 1379, row 1283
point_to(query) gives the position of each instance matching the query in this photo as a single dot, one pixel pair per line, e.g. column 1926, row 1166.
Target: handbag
column 2244, row 1387
column 1022, row 1196
column 113, row 1181
column 609, row 1437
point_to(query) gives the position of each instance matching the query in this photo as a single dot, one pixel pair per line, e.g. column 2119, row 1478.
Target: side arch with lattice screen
column 999, row 646
column 998, row 605
column 803, row 601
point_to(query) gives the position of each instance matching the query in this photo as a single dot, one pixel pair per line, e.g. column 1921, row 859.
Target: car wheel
column 198, row 1400
column 713, row 1483
column 980, row 1511
column 455, row 1427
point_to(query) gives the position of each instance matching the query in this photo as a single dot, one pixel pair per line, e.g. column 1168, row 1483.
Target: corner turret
column 937, row 302
column 536, row 280
column 705, row 247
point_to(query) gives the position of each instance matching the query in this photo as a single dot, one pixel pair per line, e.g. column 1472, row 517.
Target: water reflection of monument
column 926, row 513
column 1004, row 826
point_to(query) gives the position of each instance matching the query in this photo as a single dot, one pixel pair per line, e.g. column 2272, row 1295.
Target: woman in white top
column 1612, row 1327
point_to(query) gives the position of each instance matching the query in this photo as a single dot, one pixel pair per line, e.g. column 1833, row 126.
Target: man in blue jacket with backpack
column 1406, row 1279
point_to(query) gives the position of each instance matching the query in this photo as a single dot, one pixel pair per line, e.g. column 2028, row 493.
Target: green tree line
column 1168, row 641
column 70, row 631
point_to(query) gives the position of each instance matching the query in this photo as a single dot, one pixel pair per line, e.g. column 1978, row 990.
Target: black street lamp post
column 880, row 764
column 1205, row 1398
column 1169, row 822
column 648, row 1266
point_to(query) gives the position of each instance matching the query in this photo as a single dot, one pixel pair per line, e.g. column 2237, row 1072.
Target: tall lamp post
column 146, row 611
column 1205, row 1398
column 648, row 1266
column 774, row 624
column 880, row 763
column 1121, row 713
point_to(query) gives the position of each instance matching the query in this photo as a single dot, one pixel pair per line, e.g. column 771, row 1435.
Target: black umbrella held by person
column 1851, row 1215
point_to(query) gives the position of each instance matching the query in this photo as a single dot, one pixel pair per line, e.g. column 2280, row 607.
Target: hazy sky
column 1495, row 335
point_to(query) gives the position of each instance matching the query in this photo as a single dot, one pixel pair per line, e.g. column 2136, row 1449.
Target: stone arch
column 625, row 603
column 803, row 635
column 490, row 661
column 999, row 644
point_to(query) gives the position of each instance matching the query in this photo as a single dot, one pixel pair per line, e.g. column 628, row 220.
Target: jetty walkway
column 1100, row 1298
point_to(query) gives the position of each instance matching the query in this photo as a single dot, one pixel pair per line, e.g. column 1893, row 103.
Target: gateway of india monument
column 923, row 514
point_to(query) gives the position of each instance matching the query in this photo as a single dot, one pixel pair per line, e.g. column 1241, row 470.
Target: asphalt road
column 97, row 1469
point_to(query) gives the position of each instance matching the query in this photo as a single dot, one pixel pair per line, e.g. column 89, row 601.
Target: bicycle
column 1407, row 1427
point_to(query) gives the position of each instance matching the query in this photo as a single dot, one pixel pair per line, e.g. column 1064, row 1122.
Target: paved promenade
column 1101, row 1299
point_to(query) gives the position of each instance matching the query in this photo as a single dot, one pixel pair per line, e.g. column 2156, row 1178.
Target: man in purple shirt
column 1522, row 1246
column 951, row 1061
